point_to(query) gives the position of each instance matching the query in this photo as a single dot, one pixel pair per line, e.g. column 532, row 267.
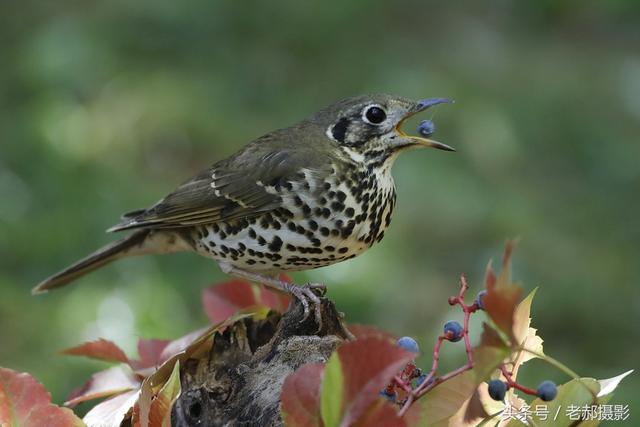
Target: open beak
column 418, row 140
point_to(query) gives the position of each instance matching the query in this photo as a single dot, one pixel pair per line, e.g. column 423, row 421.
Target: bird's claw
column 306, row 293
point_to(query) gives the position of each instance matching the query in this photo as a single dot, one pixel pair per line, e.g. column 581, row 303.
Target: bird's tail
column 139, row 243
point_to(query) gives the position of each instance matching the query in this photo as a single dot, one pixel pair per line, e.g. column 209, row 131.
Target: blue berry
column 547, row 391
column 421, row 379
column 497, row 389
column 479, row 299
column 409, row 344
column 389, row 396
column 453, row 331
column 426, row 128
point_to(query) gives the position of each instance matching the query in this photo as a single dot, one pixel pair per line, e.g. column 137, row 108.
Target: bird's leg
column 304, row 293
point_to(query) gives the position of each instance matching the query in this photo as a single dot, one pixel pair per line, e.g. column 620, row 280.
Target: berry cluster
column 547, row 390
column 401, row 389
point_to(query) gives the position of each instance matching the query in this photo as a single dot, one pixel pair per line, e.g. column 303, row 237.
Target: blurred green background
column 107, row 106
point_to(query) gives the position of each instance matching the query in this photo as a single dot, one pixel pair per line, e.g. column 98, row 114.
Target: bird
column 306, row 196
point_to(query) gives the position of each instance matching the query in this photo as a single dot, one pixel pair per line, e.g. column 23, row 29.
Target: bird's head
column 370, row 125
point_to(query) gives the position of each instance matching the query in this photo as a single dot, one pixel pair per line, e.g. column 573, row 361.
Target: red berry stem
column 431, row 380
column 513, row 384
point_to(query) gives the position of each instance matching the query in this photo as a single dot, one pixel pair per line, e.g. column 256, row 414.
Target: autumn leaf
column 444, row 401
column 112, row 412
column 575, row 393
column 100, row 349
column 502, row 296
column 116, row 380
column 300, row 397
column 360, row 331
column 25, row 402
column 488, row 355
column 353, row 377
column 154, row 409
column 228, row 298
column 526, row 337
column 381, row 414
column 150, row 352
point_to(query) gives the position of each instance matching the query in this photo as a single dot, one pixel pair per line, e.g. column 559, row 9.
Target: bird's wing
column 242, row 186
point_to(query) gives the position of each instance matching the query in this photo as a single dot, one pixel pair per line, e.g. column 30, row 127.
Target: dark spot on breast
column 350, row 212
column 275, row 244
column 343, row 250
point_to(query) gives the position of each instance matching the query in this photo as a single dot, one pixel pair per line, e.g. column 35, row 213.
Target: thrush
column 307, row 196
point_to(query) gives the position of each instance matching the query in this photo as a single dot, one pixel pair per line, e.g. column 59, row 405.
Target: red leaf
column 180, row 344
column 300, row 397
column 361, row 331
column 381, row 414
column 275, row 300
column 226, row 299
column 367, row 365
column 105, row 383
column 100, row 349
column 150, row 352
column 25, row 402
column 502, row 296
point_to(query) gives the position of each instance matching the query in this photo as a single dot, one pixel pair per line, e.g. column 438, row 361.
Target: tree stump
column 239, row 383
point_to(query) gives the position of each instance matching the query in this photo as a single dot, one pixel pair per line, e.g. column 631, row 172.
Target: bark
column 239, row 383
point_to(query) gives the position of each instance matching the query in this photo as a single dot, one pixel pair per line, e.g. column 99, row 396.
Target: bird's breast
column 322, row 220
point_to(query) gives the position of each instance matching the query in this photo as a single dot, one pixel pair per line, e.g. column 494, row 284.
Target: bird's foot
column 309, row 292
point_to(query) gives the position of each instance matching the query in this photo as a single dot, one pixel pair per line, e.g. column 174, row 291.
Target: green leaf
column 491, row 351
column 332, row 392
column 573, row 394
column 443, row 401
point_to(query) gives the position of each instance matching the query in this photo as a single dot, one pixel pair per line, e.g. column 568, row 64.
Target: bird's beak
column 418, row 140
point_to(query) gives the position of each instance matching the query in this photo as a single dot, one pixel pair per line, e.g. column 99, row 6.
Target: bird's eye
column 375, row 115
